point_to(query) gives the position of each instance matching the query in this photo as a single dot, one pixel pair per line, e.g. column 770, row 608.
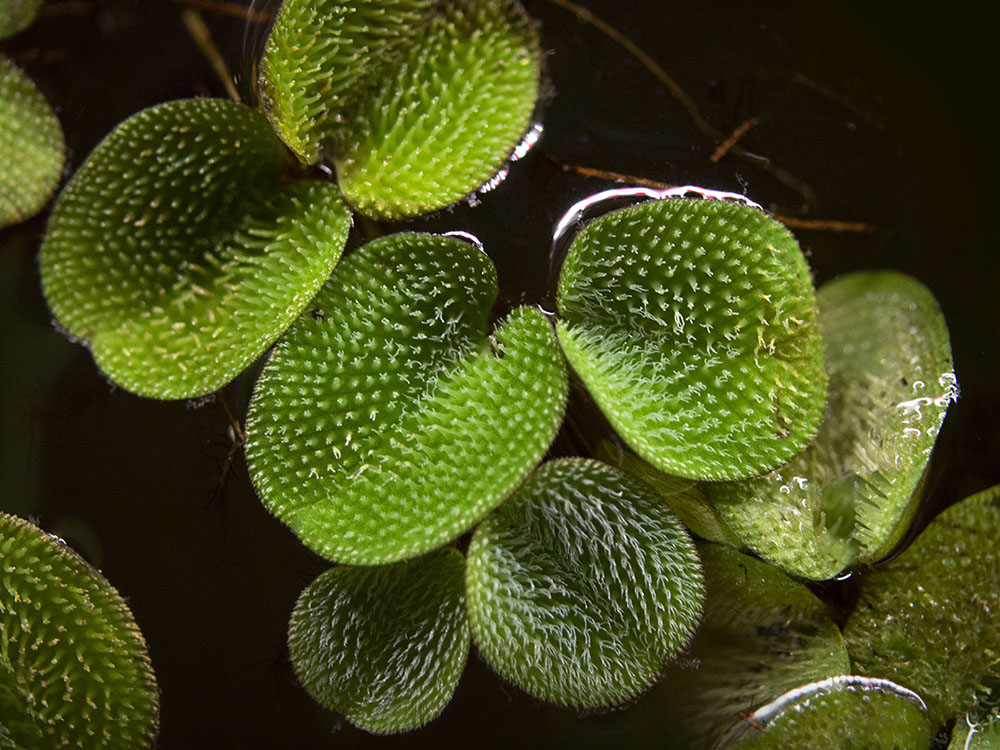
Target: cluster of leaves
column 400, row 412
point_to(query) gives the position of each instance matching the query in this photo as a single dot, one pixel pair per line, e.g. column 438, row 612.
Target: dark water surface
column 880, row 115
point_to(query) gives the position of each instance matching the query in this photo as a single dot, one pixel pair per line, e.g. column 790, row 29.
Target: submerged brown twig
column 235, row 10
column 199, row 32
column 827, row 225
column 701, row 123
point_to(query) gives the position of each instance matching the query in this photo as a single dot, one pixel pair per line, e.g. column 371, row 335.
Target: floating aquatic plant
column 181, row 249
column 74, row 671
column 389, row 420
column 582, row 585
column 930, row 619
column 416, row 103
column 761, row 634
column 692, row 323
column 383, row 645
column 841, row 713
column 31, row 150
column 849, row 497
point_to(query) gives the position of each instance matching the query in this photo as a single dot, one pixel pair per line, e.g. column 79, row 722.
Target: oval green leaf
column 692, row 323
column 976, row 735
column 849, row 497
column 384, row 645
column 180, row 250
column 448, row 115
column 74, row 671
column 387, row 421
column 32, row 151
column 841, row 713
column 762, row 634
column 582, row 585
column 930, row 619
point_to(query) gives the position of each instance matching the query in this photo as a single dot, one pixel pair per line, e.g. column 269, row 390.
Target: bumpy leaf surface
column 930, row 619
column 582, row 585
column 850, row 495
column 762, row 634
column 321, row 56
column 31, row 150
column 17, row 15
column 449, row 114
column 383, row 645
column 74, row 671
column 180, row 250
column 692, row 323
column 387, row 421
column 841, row 713
column 417, row 103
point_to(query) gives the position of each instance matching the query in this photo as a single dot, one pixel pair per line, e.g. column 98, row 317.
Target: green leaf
column 15, row 16
column 417, row 103
column 180, row 250
column 762, row 634
column 32, row 151
column 849, row 497
column 321, row 56
column 386, row 645
column 73, row 665
column 442, row 124
column 841, row 713
column 692, row 323
column 582, row 585
column 387, row 421
column 930, row 619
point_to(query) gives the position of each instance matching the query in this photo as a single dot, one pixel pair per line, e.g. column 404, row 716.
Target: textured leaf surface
column 74, row 671
column 841, row 713
column 693, row 325
column 17, row 15
column 582, row 585
column 388, row 422
column 850, row 495
column 322, row 56
column 930, row 619
column 762, row 634
column 179, row 252
column 443, row 122
column 31, row 150
column 383, row 645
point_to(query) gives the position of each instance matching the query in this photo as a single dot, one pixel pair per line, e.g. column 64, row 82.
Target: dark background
column 880, row 114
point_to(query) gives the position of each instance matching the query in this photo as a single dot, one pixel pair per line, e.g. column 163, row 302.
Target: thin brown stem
column 199, row 32
column 732, row 140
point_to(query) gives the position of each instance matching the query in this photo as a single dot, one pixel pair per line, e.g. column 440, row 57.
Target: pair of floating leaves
column 579, row 588
column 73, row 665
column 582, row 585
column 930, row 619
column 181, row 249
column 693, row 326
column 31, row 150
column 417, row 103
column 388, row 421
column 850, row 495
column 383, row 645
